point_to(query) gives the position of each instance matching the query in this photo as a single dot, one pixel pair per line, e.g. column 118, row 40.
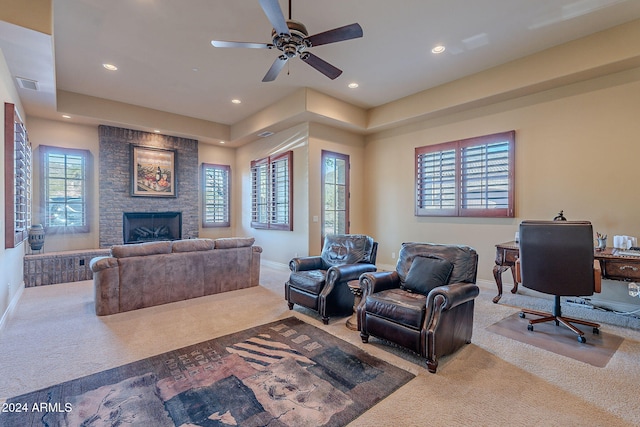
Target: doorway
column 335, row 193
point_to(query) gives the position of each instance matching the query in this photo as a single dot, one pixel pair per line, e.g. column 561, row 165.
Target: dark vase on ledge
column 36, row 237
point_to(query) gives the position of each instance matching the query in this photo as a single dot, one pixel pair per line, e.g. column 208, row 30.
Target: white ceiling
column 166, row 61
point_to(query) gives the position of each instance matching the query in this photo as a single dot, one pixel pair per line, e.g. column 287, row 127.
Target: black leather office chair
column 556, row 258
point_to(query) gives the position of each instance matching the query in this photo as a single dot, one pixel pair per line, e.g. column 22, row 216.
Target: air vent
column 25, row 83
column 265, row 134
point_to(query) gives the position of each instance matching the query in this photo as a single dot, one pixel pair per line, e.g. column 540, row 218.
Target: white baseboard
column 11, row 307
column 274, row 264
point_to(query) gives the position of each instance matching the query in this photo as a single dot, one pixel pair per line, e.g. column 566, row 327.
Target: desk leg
column 497, row 274
column 515, row 282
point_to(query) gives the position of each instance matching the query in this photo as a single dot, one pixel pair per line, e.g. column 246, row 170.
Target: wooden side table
column 356, row 290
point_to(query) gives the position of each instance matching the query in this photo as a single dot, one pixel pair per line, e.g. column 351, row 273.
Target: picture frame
column 153, row 172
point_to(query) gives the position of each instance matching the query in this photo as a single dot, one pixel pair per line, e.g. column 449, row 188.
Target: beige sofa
column 147, row 274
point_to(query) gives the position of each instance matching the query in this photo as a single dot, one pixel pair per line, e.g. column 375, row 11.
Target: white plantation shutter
column 272, row 192
column 216, row 195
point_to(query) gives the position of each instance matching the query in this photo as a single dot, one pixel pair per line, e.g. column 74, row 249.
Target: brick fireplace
column 114, row 188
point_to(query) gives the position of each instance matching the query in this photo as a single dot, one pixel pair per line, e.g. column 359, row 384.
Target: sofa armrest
column 451, row 295
column 106, row 285
column 306, row 263
column 102, row 263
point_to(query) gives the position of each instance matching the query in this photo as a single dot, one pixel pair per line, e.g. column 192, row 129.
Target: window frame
column 226, row 169
column 325, row 155
column 268, row 166
column 45, row 151
column 454, row 204
column 18, row 178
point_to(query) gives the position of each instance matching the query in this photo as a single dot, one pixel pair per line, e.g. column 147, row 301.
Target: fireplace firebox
column 139, row 227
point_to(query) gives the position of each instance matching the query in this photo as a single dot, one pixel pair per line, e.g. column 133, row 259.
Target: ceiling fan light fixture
column 293, row 40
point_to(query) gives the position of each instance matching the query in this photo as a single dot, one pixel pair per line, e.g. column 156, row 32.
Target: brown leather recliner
column 426, row 305
column 320, row 282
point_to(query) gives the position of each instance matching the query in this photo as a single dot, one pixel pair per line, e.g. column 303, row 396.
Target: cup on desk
column 602, row 243
column 624, row 242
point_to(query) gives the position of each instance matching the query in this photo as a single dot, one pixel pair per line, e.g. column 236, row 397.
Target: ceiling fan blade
column 321, row 65
column 275, row 69
column 272, row 9
column 220, row 43
column 347, row 32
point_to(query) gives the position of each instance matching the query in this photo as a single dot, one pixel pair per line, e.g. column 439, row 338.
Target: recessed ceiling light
column 221, row 142
column 110, row 67
column 438, row 49
column 236, row 101
column 66, row 116
column 156, row 131
column 353, row 85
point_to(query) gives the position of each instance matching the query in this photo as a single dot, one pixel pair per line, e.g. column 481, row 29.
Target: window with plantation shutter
column 473, row 177
column 216, row 190
column 64, row 188
column 17, row 170
column 272, row 192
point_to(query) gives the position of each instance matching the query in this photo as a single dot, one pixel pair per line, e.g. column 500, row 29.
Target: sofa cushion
column 192, row 245
column 427, row 273
column 311, row 281
column 398, row 306
column 234, row 242
column 141, row 249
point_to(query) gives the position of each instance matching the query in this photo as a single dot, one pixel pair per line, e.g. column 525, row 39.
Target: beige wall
column 323, row 137
column 219, row 155
column 278, row 246
column 11, row 260
column 576, row 148
column 66, row 135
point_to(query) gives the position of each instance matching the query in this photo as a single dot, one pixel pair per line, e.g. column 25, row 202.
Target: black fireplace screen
column 138, row 227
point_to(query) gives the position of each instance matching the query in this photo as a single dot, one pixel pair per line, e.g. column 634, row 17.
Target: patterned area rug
column 286, row 373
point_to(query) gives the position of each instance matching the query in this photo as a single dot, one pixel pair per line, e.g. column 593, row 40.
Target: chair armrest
column 306, row 263
column 597, row 276
column 378, row 281
column 453, row 294
column 518, row 271
column 346, row 272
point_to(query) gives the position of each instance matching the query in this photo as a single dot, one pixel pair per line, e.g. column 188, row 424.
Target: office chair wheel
column 596, row 331
column 530, row 327
column 581, row 339
column 522, row 316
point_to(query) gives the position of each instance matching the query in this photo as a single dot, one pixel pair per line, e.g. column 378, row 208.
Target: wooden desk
column 614, row 267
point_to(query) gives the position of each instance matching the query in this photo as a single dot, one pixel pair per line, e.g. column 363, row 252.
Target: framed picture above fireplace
column 153, row 172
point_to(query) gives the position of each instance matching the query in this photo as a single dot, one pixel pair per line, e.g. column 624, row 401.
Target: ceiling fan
column 292, row 39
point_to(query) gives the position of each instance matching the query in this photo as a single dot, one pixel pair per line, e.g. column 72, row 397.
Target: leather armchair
column 426, row 304
column 320, row 282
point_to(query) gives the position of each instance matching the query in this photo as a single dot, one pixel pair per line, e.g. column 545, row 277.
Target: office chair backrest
column 556, row 257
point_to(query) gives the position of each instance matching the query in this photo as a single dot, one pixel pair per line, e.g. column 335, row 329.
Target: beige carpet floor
column 53, row 335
